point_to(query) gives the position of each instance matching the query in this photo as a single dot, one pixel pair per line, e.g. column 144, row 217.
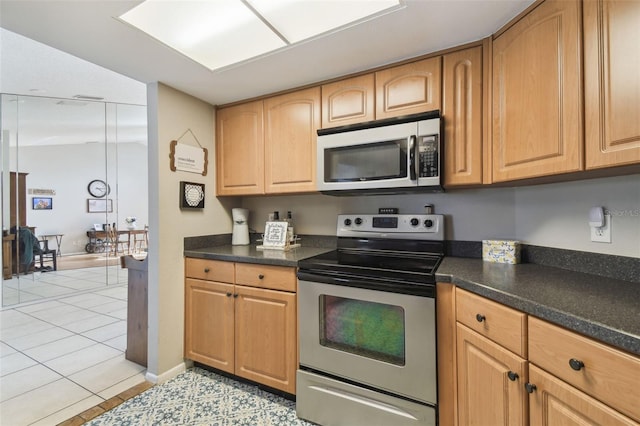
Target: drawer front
column 211, row 270
column 266, row 276
column 605, row 373
column 503, row 325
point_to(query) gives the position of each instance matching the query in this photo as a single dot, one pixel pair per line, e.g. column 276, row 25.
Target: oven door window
column 372, row 161
column 369, row 329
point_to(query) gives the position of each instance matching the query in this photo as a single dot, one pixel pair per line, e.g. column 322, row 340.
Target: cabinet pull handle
column 530, row 387
column 513, row 376
column 235, row 295
column 576, row 364
column 261, row 276
column 480, row 317
column 206, row 270
column 228, row 294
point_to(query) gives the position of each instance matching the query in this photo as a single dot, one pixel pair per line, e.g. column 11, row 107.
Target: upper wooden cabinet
column 462, row 109
column 408, row 89
column 537, row 94
column 240, row 150
column 291, row 124
column 612, row 82
column 268, row 146
column 348, row 101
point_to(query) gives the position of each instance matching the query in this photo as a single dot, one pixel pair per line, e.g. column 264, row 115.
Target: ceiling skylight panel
column 219, row 33
column 215, row 33
column 299, row 20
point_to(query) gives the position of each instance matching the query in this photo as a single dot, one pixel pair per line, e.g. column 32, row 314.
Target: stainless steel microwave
column 386, row 156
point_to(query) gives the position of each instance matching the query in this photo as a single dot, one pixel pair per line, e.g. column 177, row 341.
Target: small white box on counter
column 501, row 251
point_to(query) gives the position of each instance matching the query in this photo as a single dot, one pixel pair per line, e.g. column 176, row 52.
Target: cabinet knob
column 235, row 295
column 261, row 276
column 530, row 387
column 576, row 364
column 513, row 376
column 206, row 270
column 228, row 294
column 480, row 317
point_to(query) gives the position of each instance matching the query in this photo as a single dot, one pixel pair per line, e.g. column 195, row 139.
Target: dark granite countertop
column 603, row 308
column 249, row 254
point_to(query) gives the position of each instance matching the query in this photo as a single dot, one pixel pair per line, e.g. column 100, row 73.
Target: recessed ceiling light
column 219, row 33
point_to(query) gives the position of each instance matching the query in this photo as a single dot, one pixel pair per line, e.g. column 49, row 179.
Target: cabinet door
column 408, row 89
column 240, row 150
column 556, row 403
column 291, row 124
column 209, row 323
column 486, row 394
column 266, row 337
column 537, row 101
column 462, row 110
column 612, row 82
column 348, row 101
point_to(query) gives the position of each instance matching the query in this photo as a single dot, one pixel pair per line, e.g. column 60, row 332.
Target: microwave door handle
column 413, row 163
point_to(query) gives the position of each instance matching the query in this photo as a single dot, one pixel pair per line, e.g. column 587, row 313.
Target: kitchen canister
column 501, row 251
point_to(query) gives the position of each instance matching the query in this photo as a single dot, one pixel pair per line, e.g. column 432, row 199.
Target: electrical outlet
column 602, row 234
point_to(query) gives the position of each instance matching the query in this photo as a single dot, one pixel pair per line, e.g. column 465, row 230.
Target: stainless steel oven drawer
column 329, row 402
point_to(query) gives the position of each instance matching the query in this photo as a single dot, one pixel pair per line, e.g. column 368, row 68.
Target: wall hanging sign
column 187, row 158
column 191, row 195
column 41, row 191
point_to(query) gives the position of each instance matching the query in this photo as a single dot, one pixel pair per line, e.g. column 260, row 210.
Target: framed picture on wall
column 42, row 203
column 191, row 195
column 99, row 205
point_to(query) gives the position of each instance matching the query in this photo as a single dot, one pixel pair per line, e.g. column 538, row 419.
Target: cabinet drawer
column 503, row 325
column 211, row 270
column 266, row 276
column 607, row 374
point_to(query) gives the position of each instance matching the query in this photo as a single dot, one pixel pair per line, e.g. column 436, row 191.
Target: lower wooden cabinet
column 554, row 402
column 209, row 323
column 246, row 330
column 490, row 382
column 560, row 377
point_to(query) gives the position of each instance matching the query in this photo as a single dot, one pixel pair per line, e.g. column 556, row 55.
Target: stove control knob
column 358, row 221
column 414, row 222
column 428, row 223
column 347, row 222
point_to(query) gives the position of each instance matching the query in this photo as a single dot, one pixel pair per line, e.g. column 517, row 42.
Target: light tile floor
column 38, row 286
column 60, row 357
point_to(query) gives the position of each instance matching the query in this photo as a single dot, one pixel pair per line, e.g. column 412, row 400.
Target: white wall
column 170, row 114
column 556, row 215
column 68, row 169
column 552, row 215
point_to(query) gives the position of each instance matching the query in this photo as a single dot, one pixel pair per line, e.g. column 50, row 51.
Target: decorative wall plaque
column 191, row 195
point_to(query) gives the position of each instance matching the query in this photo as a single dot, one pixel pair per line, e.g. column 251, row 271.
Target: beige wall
column 553, row 215
column 171, row 113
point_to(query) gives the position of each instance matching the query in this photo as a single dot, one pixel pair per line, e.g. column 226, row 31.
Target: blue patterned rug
column 200, row 397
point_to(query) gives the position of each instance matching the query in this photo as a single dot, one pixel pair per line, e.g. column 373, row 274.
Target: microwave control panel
column 428, row 156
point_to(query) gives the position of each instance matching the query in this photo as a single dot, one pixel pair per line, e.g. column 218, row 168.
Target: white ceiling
column 89, row 30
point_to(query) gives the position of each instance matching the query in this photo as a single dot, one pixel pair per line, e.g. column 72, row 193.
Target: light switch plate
column 603, row 234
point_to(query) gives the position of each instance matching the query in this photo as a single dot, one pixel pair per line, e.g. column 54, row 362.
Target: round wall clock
column 98, row 188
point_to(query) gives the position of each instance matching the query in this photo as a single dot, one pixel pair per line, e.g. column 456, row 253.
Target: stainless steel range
column 367, row 323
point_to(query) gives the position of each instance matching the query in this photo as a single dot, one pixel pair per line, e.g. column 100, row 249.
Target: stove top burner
column 396, row 253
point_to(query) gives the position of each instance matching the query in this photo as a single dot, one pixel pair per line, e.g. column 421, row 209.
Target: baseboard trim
column 167, row 375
